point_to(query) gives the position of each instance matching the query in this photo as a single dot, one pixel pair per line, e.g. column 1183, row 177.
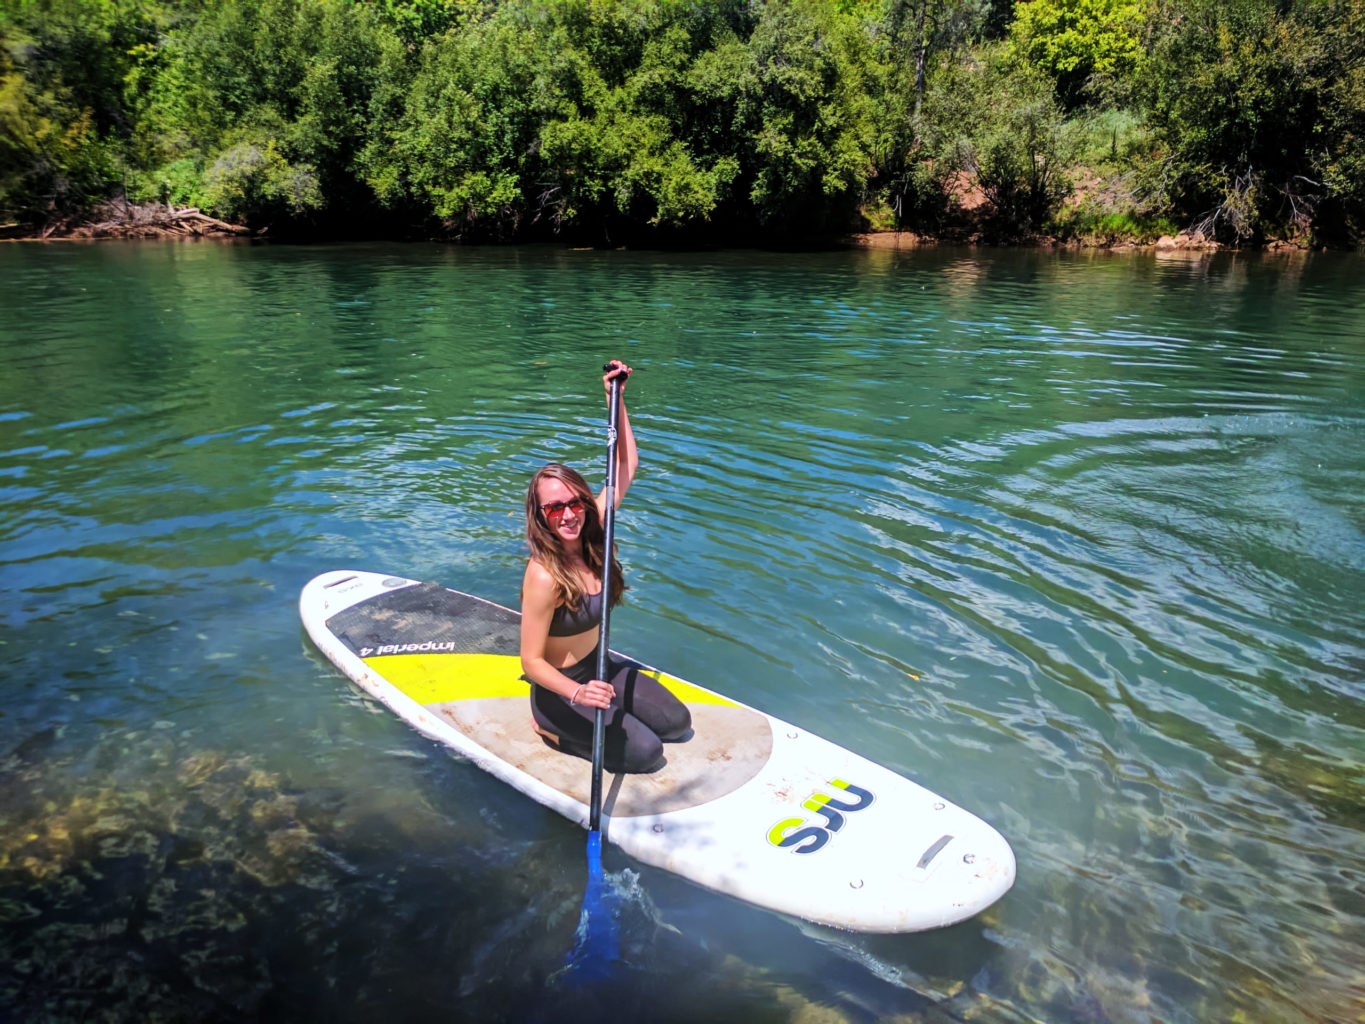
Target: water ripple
column 1076, row 540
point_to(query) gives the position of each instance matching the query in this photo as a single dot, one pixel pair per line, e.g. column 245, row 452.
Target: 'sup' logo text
column 803, row 836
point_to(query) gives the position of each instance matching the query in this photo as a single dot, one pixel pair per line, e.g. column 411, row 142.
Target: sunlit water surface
column 1075, row 540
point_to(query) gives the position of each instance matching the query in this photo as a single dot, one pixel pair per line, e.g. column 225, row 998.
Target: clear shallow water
column 1075, row 540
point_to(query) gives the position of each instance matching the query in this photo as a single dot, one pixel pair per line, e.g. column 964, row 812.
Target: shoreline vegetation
column 1173, row 124
column 123, row 221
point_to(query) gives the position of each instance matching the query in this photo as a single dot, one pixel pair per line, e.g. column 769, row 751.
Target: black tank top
column 568, row 622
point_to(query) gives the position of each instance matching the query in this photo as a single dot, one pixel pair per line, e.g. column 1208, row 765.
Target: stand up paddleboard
column 748, row 805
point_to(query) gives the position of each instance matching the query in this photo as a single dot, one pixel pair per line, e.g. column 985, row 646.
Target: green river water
column 1075, row 540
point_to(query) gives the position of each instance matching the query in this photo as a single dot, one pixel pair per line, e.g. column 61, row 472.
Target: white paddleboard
column 748, row 805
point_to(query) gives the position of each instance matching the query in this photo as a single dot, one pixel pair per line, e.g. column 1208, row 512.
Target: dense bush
column 269, row 102
column 1000, row 125
column 63, row 109
column 1082, row 44
column 1257, row 108
column 654, row 113
column 629, row 119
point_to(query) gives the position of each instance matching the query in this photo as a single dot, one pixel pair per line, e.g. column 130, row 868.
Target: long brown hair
column 548, row 549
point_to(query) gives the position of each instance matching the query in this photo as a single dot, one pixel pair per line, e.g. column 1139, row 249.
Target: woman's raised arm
column 627, row 456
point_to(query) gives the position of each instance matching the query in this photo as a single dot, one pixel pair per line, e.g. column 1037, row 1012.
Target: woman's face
column 562, row 508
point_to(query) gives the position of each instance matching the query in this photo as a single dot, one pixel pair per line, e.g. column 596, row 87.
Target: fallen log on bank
column 121, row 219
column 154, row 220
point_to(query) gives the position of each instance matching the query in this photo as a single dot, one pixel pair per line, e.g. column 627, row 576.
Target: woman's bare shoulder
column 537, row 576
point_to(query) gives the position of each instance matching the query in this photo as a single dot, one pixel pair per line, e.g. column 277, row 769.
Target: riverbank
column 196, row 228
column 119, row 219
column 1184, row 242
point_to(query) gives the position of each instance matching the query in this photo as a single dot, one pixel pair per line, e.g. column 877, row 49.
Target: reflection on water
column 1073, row 539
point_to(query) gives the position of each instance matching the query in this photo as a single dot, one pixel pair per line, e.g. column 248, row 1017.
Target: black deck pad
column 409, row 618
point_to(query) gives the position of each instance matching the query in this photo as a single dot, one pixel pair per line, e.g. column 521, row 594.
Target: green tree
column 658, row 114
column 63, row 122
column 461, row 142
column 997, row 122
column 418, row 20
column 917, row 31
column 268, row 103
column 1257, row 108
column 797, row 98
column 1081, row 43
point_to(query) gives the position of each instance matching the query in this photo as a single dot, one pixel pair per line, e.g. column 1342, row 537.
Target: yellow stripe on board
column 435, row 678
column 690, row 694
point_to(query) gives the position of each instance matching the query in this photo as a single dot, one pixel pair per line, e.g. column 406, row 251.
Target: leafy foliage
column 1112, row 228
column 268, row 101
column 630, row 119
column 1081, row 42
column 1000, row 125
column 799, row 107
column 652, row 113
column 252, row 182
column 415, row 20
column 61, row 101
column 1258, row 107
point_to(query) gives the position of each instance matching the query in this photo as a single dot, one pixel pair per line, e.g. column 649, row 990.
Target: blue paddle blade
column 596, row 943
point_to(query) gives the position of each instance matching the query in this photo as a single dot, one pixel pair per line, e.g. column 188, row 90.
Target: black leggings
column 643, row 715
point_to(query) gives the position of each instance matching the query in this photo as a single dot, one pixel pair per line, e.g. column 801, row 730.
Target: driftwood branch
column 121, row 219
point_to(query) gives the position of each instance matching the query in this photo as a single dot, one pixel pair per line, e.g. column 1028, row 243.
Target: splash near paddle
column 748, row 805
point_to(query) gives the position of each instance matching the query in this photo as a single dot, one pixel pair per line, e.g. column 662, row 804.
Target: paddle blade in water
column 596, row 943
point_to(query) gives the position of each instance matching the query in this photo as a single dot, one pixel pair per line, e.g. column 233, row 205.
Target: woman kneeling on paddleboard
column 561, row 609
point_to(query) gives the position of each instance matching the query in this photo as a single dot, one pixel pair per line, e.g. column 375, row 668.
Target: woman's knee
column 641, row 751
column 666, row 715
column 657, row 707
column 674, row 721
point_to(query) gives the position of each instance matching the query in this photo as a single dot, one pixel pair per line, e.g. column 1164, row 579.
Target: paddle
column 596, row 948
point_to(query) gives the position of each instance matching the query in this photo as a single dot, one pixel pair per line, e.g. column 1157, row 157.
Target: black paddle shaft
column 608, row 529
